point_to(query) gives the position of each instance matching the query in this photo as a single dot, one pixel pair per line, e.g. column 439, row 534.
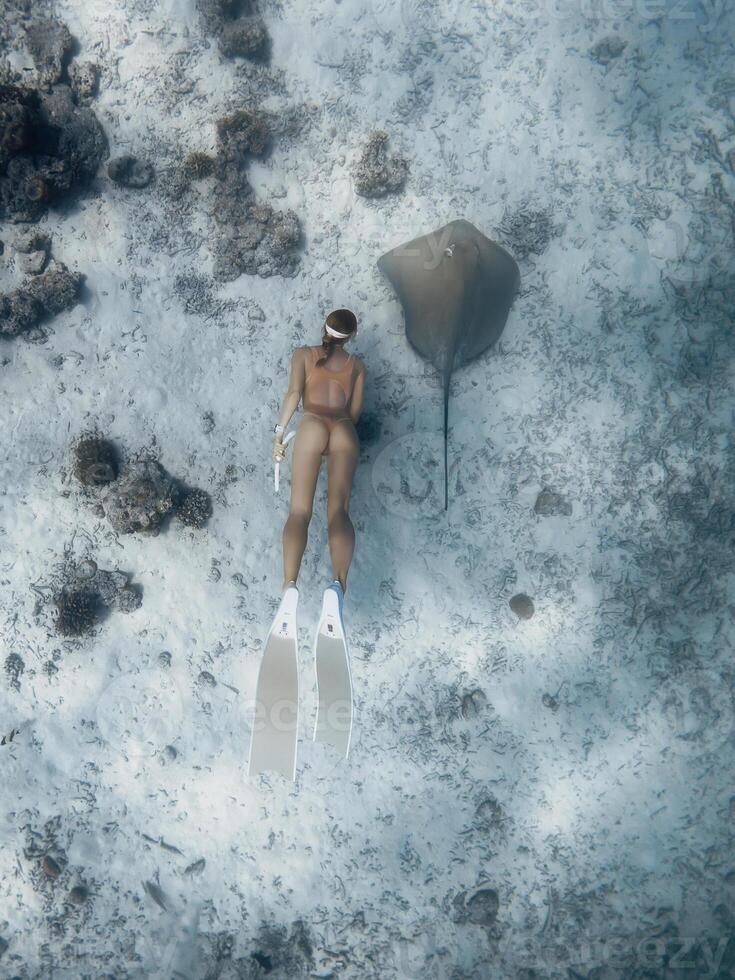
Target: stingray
column 456, row 287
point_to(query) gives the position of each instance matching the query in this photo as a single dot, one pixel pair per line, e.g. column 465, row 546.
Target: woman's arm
column 295, row 386
column 358, row 396
column 296, row 381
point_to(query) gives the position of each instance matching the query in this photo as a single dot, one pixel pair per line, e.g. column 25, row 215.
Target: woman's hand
column 279, row 450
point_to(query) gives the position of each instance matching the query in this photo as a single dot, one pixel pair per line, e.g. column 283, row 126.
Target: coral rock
column 198, row 165
column 111, row 587
column 44, row 296
column 50, row 45
column 239, row 33
column 608, row 49
column 242, row 134
column 32, row 240
column 129, row 171
column 139, row 499
column 550, row 504
column 194, row 508
column 56, row 290
column 95, row 460
column 48, row 146
column 31, row 263
column 376, row 174
column 522, row 606
column 77, row 611
column 84, row 78
column 244, row 39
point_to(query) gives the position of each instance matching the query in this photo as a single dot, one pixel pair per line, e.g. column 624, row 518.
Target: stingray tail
column 447, row 377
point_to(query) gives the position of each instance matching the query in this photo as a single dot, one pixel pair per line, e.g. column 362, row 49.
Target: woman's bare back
column 328, row 387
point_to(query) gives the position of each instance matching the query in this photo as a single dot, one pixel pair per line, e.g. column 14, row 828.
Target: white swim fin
column 333, row 675
column 275, row 724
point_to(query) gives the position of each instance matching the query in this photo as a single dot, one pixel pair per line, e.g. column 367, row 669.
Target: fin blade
column 334, row 679
column 274, row 736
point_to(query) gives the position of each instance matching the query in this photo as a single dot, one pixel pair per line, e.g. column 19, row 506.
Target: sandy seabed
column 543, row 797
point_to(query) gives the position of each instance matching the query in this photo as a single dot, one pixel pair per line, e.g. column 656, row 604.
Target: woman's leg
column 344, row 453
column 310, row 442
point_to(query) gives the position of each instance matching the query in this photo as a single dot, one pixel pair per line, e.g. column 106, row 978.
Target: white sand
column 614, row 822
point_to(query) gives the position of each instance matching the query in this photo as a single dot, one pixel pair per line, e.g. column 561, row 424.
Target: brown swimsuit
column 327, row 392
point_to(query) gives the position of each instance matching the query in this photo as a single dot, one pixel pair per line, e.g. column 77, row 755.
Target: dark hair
column 343, row 320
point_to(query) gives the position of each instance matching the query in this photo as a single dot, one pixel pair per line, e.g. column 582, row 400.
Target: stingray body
column 456, row 287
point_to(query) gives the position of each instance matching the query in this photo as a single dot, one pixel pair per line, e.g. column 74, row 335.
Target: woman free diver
column 331, row 385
